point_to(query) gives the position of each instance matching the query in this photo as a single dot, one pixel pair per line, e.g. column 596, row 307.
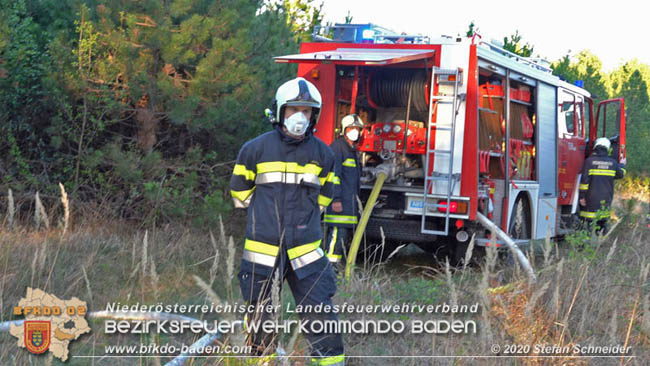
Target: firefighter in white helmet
column 597, row 184
column 282, row 177
column 342, row 216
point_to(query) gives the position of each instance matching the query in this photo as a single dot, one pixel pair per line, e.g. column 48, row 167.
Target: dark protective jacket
column 283, row 181
column 597, row 184
column 348, row 172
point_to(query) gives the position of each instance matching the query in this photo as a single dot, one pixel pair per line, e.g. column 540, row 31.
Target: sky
column 612, row 30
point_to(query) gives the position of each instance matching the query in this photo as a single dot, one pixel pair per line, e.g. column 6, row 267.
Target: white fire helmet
column 297, row 92
column 604, row 142
column 351, row 120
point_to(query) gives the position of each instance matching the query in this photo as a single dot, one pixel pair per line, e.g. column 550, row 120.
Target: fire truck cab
column 461, row 127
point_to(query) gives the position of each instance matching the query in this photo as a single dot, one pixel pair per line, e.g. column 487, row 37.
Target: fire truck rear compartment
column 383, row 102
column 394, row 103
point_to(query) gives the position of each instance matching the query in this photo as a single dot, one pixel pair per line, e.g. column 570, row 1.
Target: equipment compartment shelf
column 521, row 102
column 488, row 110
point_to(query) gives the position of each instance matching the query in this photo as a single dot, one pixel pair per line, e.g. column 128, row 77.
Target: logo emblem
column 37, row 335
column 50, row 323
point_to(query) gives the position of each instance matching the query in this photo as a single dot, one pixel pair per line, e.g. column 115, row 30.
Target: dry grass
column 40, row 216
column 595, row 294
column 66, row 209
column 11, row 209
column 100, row 265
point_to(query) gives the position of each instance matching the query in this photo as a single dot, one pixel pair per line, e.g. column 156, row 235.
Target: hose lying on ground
column 488, row 224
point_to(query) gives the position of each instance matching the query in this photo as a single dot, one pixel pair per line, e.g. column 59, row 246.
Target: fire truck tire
column 460, row 249
column 519, row 226
column 520, row 219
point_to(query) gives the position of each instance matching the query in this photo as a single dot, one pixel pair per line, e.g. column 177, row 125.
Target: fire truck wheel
column 519, row 226
column 520, row 220
column 460, row 249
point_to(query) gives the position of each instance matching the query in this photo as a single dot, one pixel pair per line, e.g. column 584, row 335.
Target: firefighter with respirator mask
column 285, row 178
column 342, row 215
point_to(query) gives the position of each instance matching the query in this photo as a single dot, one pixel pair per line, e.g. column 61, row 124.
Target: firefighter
column 285, row 179
column 342, row 215
column 597, row 184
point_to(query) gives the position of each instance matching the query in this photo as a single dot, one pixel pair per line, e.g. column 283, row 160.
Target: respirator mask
column 296, row 124
column 352, row 134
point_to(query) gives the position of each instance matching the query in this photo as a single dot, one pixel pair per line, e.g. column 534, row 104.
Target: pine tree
column 514, row 45
column 144, row 98
column 24, row 94
column 635, row 92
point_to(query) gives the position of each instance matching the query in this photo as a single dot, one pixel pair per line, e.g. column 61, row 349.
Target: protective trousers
column 317, row 288
column 338, row 238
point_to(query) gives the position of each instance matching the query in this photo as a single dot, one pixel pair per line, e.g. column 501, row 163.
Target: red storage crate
column 514, row 94
column 522, row 94
column 491, row 90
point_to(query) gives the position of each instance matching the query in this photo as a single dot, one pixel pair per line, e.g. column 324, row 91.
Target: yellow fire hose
column 358, row 233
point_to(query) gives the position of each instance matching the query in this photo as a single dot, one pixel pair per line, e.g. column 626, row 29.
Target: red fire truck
column 463, row 129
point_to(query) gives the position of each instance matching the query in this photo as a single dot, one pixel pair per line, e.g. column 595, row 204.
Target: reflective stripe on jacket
column 348, row 172
column 283, row 181
column 597, row 184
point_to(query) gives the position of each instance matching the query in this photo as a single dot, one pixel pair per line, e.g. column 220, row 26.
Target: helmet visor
column 304, row 97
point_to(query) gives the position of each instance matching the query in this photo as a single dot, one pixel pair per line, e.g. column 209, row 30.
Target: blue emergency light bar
column 368, row 34
column 354, row 33
column 363, row 33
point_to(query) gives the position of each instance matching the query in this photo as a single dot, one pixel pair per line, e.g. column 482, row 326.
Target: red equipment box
column 383, row 136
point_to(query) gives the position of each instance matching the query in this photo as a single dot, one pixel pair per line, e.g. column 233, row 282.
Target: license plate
column 417, row 204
